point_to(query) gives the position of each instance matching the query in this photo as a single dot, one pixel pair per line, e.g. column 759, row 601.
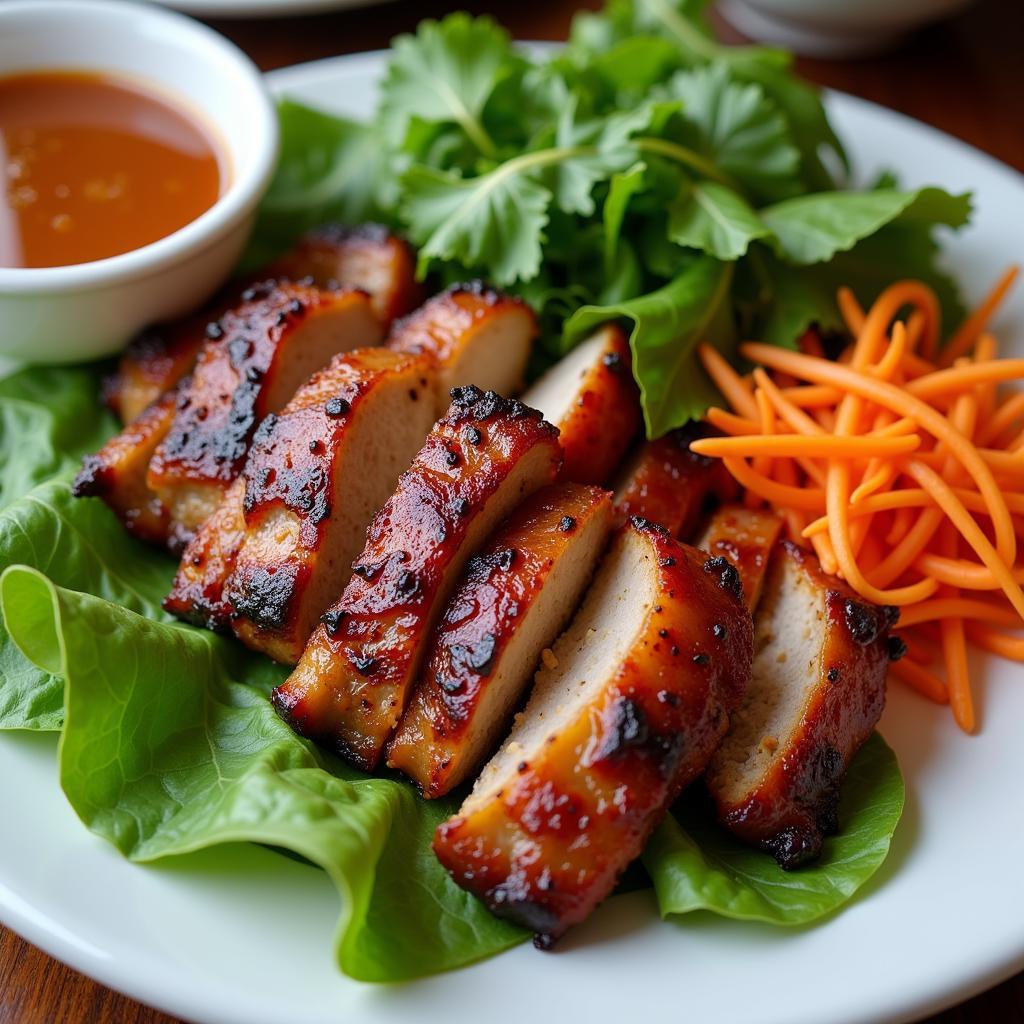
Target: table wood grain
column 965, row 76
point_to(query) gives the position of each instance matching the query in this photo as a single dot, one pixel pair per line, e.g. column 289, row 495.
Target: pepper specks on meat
column 728, row 575
column 337, row 407
column 896, row 648
column 566, row 524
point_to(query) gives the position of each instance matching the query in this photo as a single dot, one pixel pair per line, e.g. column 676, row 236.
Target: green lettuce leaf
column 739, row 129
column 329, row 168
column 164, row 753
column 49, row 418
column 714, row 219
column 446, row 73
column 695, row 865
column 667, row 326
column 813, row 228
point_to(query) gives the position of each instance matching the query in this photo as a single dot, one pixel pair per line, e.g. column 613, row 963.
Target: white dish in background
column 88, row 310
column 243, row 935
column 262, row 8
column 835, row 28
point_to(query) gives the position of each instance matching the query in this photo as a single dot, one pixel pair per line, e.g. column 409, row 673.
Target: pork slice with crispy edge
column 625, row 713
column 479, row 462
column 367, row 257
column 270, row 344
column 747, row 538
column 476, row 335
column 117, row 472
column 197, row 593
column 590, row 395
column 515, row 597
column 314, row 479
column 816, row 691
column 667, row 483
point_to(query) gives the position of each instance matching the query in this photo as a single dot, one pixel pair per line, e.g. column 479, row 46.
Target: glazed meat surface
column 314, row 479
column 667, row 483
column 817, row 689
column 475, row 335
column 368, row 257
column 197, row 593
column 267, row 346
column 479, row 462
column 626, row 713
column 117, row 473
column 590, row 395
column 746, row 537
column 515, row 597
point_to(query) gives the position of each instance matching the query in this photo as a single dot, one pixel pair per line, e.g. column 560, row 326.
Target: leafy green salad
column 643, row 172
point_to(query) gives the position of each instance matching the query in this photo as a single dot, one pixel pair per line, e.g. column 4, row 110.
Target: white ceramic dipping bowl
column 89, row 310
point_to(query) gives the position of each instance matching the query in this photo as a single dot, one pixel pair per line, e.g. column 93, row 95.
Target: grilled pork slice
column 481, row 460
column 817, row 690
column 269, row 345
column 369, row 258
column 474, row 334
column 625, row 713
column 197, row 594
column 515, row 598
column 117, row 472
column 591, row 397
column 746, row 537
column 667, row 483
column 315, row 477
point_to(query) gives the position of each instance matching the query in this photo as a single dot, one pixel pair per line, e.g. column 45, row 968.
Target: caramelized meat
column 156, row 360
column 197, row 594
column 117, row 473
column 475, row 335
column 314, row 479
column 817, row 690
column 667, row 483
column 515, row 598
column 746, row 537
column 355, row 676
column 268, row 346
column 591, row 397
column 626, row 712
column 368, row 258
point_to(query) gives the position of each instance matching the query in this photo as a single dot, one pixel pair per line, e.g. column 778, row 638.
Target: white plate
column 244, row 935
column 261, row 8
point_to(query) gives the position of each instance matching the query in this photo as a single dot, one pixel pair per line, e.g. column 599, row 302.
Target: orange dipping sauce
column 92, row 166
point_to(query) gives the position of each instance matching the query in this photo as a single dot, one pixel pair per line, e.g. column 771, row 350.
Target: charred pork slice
column 515, row 598
column 480, row 461
column 590, row 395
column 368, row 258
column 269, row 345
column 197, row 594
column 117, row 472
column 667, row 483
column 746, row 537
column 817, row 689
column 474, row 334
column 315, row 477
column 627, row 711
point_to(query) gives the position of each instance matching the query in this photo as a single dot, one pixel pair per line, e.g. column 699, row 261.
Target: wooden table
column 965, row 76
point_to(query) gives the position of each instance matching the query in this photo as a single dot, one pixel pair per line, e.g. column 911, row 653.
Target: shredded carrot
column 901, row 465
column 969, row 330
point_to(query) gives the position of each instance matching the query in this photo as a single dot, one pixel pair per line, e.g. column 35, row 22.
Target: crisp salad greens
column 644, row 172
column 169, row 743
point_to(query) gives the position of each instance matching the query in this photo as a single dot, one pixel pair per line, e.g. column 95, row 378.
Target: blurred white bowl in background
column 834, row 28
